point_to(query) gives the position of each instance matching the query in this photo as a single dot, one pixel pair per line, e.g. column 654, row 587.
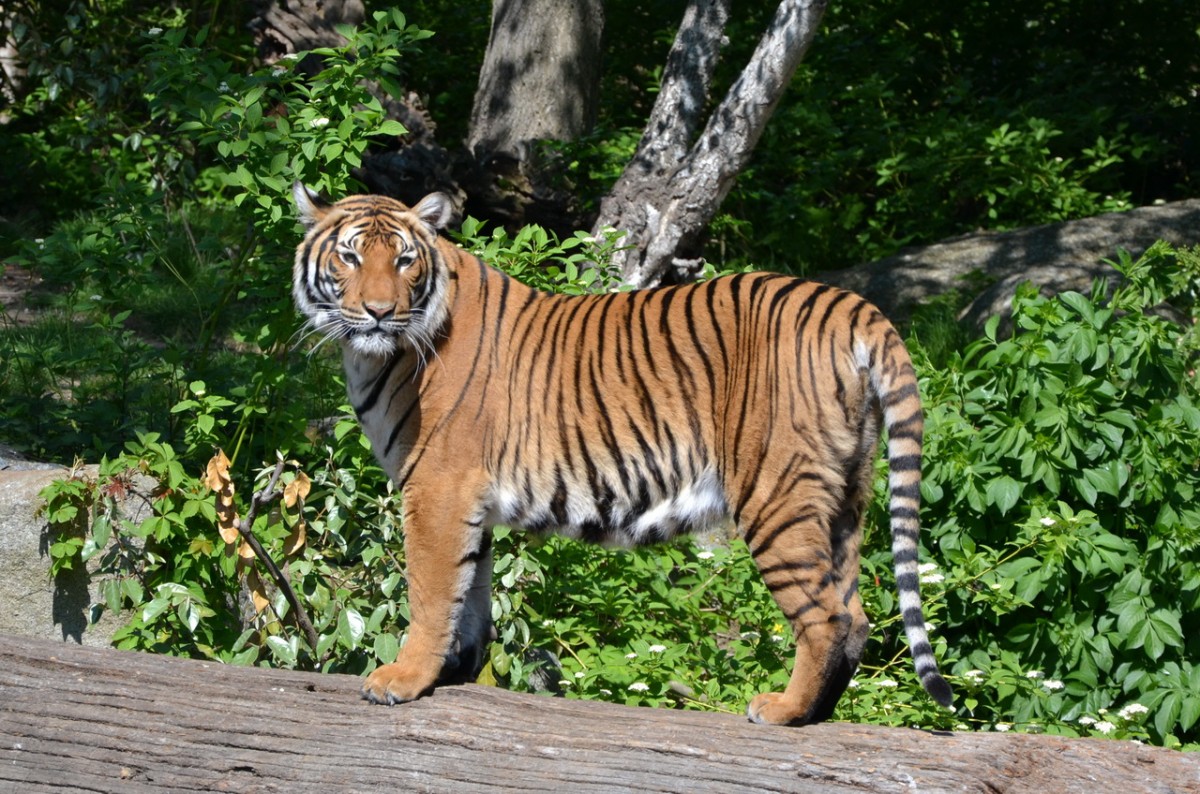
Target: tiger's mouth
column 375, row 341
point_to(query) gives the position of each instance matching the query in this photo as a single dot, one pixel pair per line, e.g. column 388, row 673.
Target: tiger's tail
column 895, row 382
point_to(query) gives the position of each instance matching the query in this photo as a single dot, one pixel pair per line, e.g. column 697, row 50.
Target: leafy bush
column 1062, row 468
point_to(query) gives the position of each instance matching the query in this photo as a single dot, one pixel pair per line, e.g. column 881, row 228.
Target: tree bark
column 75, row 718
column 540, row 77
column 286, row 26
column 540, row 81
column 668, row 193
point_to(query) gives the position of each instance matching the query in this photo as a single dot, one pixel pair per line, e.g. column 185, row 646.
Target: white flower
column 974, row 676
column 580, row 674
column 1052, row 683
column 657, row 648
column 1034, row 675
column 704, row 555
column 886, row 682
column 927, row 567
column 932, row 578
column 631, row 655
column 278, row 71
column 1047, row 521
column 1086, row 720
column 638, row 686
column 223, row 87
column 749, row 635
column 319, row 122
column 853, row 684
column 605, row 691
column 154, row 31
column 1131, row 710
column 776, row 638
column 1105, row 727
column 1003, row 727
column 96, row 297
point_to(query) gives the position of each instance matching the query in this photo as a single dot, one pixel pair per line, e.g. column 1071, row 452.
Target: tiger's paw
column 397, row 683
column 772, row 708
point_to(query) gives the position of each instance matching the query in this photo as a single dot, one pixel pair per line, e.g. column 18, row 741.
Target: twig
column 263, row 499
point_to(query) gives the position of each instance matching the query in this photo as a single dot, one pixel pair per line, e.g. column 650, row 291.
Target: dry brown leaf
column 217, row 479
column 296, row 539
column 297, row 490
column 216, row 476
column 245, row 551
column 258, row 592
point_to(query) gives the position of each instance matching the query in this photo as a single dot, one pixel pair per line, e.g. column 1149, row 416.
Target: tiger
column 622, row 418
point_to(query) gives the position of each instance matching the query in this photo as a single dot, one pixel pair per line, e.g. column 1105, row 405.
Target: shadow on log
column 76, row 718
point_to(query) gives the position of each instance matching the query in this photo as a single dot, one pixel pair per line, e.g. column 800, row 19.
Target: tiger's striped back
column 623, row 418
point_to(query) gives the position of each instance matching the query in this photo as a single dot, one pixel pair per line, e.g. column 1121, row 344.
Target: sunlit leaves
column 1063, row 460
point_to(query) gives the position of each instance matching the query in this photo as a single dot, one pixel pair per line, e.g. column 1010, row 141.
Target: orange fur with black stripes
column 622, row 418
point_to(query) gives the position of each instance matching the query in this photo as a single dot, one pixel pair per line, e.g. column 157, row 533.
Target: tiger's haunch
column 624, row 418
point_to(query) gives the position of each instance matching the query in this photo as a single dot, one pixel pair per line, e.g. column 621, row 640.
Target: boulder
column 32, row 603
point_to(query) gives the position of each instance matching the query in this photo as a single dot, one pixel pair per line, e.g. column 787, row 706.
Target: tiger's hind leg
column 792, row 543
column 449, row 591
column 846, row 539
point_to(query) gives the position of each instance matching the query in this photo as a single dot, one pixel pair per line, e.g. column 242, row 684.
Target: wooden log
column 95, row 719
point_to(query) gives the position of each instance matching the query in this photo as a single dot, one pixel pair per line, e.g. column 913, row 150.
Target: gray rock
column 1055, row 257
column 32, row 603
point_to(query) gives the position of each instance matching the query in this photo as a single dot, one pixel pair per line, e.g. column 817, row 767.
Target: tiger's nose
column 379, row 311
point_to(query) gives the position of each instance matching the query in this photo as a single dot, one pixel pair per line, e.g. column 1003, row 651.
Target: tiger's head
column 369, row 271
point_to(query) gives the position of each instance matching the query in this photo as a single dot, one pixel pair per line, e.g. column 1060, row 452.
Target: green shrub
column 1062, row 467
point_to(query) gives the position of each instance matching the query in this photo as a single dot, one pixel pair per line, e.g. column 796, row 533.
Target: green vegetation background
column 150, row 175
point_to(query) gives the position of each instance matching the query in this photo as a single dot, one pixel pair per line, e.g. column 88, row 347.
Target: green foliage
column 274, row 126
column 1060, row 494
column 911, row 122
column 574, row 266
column 220, row 145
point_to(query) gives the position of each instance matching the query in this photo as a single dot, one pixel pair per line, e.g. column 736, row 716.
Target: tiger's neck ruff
column 623, row 418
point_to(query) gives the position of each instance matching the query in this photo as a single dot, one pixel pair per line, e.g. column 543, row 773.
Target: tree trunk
column 668, row 194
column 540, row 81
column 75, row 718
column 286, row 26
column 540, row 77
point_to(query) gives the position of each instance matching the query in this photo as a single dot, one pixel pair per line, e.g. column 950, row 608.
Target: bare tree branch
column 686, row 82
column 664, row 213
column 262, row 499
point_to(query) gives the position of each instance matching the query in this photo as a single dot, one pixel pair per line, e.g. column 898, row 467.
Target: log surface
column 94, row 719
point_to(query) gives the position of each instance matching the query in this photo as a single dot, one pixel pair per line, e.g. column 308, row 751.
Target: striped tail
column 896, row 383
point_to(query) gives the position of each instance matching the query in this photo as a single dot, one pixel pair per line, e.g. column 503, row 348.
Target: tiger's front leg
column 449, row 589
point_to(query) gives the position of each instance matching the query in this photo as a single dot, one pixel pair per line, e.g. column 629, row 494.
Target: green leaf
column 151, row 611
column 391, row 127
column 1003, row 492
column 386, row 647
column 284, row 651
column 351, row 627
column 1168, row 712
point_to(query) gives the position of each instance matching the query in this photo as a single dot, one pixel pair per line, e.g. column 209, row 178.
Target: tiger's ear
column 310, row 207
column 435, row 210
